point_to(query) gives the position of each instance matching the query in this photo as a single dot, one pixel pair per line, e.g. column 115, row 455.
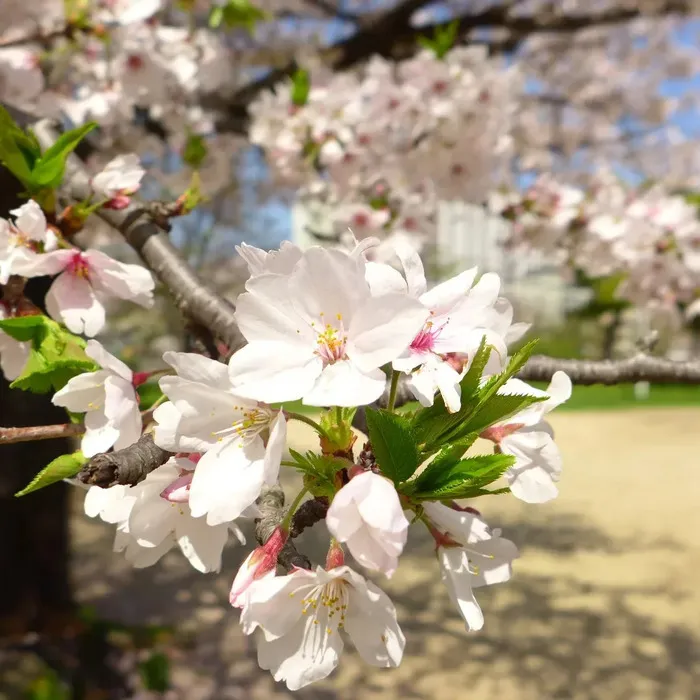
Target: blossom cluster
column 649, row 238
column 380, row 147
column 84, row 280
column 327, row 327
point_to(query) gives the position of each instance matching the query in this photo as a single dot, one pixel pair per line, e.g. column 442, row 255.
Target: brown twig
column 128, row 466
column 40, row 432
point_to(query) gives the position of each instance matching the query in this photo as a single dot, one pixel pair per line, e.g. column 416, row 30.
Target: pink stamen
column 425, row 340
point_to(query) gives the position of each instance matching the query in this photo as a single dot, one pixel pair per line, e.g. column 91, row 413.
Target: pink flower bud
column 261, row 562
column 335, row 556
column 121, row 201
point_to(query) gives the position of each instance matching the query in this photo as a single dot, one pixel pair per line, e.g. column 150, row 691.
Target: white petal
column 446, row 294
column 305, row 655
column 328, row 282
column 30, row 220
column 372, row 626
column 72, row 300
column 142, row 557
column 537, row 465
column 106, row 360
column 383, row 328
column 344, row 384
column 83, row 392
column 13, row 356
column 273, row 372
column 112, row 278
column 198, row 368
column 122, row 409
column 100, row 434
column 384, row 279
column 275, row 604
column 457, row 578
column 413, row 269
column 201, row 544
column 274, row 449
column 227, row 480
column 48, row 263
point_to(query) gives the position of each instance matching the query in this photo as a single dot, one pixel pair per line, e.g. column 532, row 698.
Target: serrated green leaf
column 393, row 444
column 498, row 408
column 337, row 425
column 442, row 463
column 319, row 471
column 55, row 355
column 63, row 467
column 466, row 477
column 22, row 328
column 48, row 172
column 14, row 159
column 155, row 673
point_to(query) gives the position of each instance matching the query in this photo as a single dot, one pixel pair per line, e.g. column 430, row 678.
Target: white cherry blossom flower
column 472, row 556
column 301, row 616
column 461, row 314
column 204, row 414
column 85, row 280
column 119, row 179
column 20, row 239
column 109, row 400
column 318, row 334
column 529, row 438
column 366, row 514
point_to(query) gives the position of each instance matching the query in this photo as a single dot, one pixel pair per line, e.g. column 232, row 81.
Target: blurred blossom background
column 554, row 142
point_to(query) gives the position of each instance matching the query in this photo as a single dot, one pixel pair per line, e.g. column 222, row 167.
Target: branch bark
column 128, row 466
column 40, row 432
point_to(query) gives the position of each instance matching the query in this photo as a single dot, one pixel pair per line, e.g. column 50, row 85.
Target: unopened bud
column 335, row 556
column 261, row 562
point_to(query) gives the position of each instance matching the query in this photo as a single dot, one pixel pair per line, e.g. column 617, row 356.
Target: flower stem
column 305, row 419
column 287, row 521
column 392, row 390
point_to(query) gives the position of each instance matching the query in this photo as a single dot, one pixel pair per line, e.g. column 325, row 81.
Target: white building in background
column 470, row 236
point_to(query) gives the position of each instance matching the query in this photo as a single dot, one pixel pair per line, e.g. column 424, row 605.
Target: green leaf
column 149, row 393
column 319, row 471
column 442, row 463
column 465, row 479
column 155, row 673
column 63, row 467
column 301, row 86
column 498, row 408
column 48, row 172
column 237, row 13
column 393, row 444
column 55, row 355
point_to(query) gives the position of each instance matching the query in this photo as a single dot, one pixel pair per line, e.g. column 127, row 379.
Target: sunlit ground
column 605, row 602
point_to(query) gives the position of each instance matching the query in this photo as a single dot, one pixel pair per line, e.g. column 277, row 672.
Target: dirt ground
column 605, row 601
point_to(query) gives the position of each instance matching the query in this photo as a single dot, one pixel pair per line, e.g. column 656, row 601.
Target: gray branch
column 640, row 368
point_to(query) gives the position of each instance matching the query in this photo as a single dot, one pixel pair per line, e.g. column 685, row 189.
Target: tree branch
column 193, row 298
column 640, row 368
column 40, row 432
column 127, row 467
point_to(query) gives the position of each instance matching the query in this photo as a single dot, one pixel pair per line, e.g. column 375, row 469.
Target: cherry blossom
column 318, row 334
column 301, row 616
column 22, row 239
column 108, row 399
column 119, row 179
column 204, row 414
column 367, row 514
column 470, row 555
column 85, row 280
column 529, row 438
